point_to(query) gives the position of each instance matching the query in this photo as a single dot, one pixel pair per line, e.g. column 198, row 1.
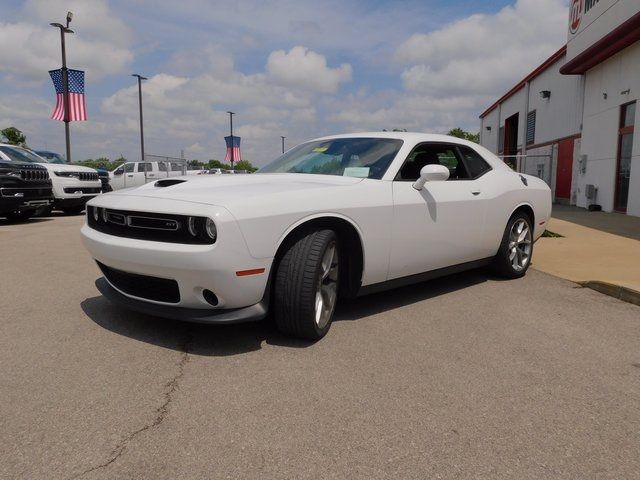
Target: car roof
column 413, row 138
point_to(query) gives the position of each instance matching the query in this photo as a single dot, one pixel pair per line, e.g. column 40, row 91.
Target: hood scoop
column 168, row 182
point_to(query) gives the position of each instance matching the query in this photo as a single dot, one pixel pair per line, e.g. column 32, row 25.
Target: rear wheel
column 306, row 285
column 514, row 256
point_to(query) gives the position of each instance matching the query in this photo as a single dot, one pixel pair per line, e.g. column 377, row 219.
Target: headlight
column 210, row 228
column 192, row 226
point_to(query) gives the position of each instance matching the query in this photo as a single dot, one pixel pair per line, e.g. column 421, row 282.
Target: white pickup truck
column 133, row 174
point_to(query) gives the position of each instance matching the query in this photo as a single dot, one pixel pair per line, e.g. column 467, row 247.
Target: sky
column 298, row 68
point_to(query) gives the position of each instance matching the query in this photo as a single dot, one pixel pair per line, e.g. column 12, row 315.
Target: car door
column 144, row 173
column 442, row 224
column 122, row 176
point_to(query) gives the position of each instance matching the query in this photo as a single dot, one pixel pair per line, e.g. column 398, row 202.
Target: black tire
column 298, row 277
column 73, row 210
column 19, row 216
column 503, row 263
column 45, row 212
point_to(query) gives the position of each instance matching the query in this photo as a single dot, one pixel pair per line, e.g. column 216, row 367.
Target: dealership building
column 572, row 120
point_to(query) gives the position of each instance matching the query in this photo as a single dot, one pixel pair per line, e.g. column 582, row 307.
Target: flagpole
column 231, row 114
column 65, row 81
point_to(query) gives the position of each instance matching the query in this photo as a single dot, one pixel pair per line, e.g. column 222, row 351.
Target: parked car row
column 32, row 184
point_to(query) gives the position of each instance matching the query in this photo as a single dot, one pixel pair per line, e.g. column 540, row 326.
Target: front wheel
column 19, row 216
column 73, row 210
column 514, row 256
column 306, row 285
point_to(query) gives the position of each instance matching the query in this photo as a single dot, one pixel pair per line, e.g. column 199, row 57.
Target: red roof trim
column 547, row 63
column 618, row 39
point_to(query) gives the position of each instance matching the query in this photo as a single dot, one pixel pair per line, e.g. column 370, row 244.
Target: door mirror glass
column 431, row 173
column 118, row 171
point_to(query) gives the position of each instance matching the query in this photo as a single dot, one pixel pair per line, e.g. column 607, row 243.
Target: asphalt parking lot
column 464, row 377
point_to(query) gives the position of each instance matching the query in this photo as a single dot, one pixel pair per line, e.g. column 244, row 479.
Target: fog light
column 210, row 297
column 210, row 228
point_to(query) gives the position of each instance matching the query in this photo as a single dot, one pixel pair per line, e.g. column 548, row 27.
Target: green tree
column 13, row 136
column 460, row 133
column 245, row 165
column 218, row 164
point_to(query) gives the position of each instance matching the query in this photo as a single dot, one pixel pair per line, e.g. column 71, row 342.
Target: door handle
column 130, row 175
column 476, row 192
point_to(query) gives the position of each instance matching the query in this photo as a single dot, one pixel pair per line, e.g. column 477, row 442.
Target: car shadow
column 226, row 340
column 32, row 220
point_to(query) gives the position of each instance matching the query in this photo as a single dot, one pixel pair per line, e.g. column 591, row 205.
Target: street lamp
column 140, row 78
column 65, row 79
column 282, row 142
column 231, row 114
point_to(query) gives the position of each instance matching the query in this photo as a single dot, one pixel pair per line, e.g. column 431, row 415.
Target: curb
column 621, row 293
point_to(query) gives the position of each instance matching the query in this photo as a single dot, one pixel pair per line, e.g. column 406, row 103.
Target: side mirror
column 431, row 173
column 118, row 171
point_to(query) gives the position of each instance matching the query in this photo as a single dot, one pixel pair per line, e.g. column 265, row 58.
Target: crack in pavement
column 161, row 412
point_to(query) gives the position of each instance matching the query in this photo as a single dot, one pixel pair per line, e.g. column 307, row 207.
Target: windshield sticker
column 320, row 149
column 359, row 172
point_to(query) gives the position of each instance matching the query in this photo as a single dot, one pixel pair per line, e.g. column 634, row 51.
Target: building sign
column 579, row 9
column 575, row 15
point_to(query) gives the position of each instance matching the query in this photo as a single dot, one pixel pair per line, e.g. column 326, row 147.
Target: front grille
column 82, row 189
column 34, row 174
column 88, row 176
column 26, row 193
column 142, row 286
column 155, row 227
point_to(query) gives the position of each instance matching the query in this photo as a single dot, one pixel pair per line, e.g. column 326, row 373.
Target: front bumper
column 194, row 268
column 198, row 315
column 70, row 189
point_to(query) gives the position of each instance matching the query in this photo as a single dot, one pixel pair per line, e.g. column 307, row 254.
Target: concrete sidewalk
column 600, row 249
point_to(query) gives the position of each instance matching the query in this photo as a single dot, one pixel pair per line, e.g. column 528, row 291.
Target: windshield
column 51, row 157
column 349, row 157
column 18, row 154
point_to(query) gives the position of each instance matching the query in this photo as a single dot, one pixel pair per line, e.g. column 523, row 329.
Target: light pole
column 282, row 142
column 65, row 80
column 140, row 78
column 231, row 114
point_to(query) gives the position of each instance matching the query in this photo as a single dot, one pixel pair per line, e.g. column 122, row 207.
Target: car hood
column 224, row 190
column 59, row 167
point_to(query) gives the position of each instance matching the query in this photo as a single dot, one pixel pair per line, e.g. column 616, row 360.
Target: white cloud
column 484, row 53
column 304, row 69
column 31, row 47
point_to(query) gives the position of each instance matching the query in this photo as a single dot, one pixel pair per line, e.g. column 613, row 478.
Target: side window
column 476, row 165
column 433, row 154
column 141, row 167
column 176, row 167
column 128, row 167
column 162, row 166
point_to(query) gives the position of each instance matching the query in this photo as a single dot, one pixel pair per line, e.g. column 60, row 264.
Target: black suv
column 25, row 189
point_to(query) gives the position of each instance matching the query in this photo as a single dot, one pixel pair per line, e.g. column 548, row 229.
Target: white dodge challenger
column 335, row 217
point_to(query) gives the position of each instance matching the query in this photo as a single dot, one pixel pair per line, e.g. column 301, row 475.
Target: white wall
column 561, row 115
column 557, row 117
column 600, row 128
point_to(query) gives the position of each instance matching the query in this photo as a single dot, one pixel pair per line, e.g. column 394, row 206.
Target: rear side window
column 142, row 166
column 476, row 165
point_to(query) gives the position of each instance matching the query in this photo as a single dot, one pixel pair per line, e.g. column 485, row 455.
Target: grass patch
column 550, row 234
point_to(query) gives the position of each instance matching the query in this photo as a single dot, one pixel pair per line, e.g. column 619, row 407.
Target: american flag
column 77, row 105
column 233, row 144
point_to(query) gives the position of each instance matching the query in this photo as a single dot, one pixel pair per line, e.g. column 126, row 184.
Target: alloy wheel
column 327, row 290
column 520, row 241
